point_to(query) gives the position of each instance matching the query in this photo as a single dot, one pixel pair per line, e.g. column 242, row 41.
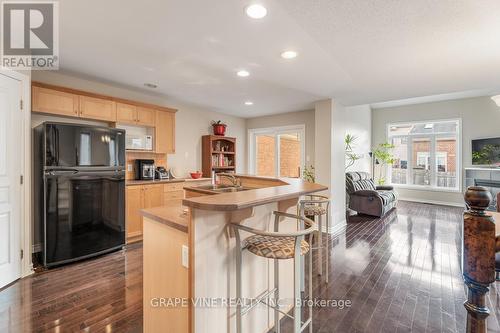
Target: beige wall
column 287, row 119
column 329, row 150
column 480, row 118
column 191, row 121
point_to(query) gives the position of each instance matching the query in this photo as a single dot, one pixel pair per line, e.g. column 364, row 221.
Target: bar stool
column 318, row 205
column 277, row 246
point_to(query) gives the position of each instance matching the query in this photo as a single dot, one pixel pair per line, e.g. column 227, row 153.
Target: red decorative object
column 219, row 128
column 195, row 175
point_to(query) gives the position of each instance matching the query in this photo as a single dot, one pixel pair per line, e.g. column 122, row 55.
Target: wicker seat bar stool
column 318, row 205
column 277, row 246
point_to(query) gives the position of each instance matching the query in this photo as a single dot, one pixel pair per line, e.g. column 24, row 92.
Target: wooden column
column 478, row 258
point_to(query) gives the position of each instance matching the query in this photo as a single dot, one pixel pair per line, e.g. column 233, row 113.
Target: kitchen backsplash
column 160, row 160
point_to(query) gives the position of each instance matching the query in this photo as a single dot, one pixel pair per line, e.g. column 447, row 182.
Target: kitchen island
column 189, row 259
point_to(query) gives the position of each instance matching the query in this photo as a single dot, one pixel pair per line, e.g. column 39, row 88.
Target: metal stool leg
column 327, row 243
column 276, row 296
column 296, row 290
column 238, row 283
column 310, row 288
column 320, row 243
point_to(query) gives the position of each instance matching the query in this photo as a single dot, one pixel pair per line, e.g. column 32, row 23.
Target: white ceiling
column 358, row 51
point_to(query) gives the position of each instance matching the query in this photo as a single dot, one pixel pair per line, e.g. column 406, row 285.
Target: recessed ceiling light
column 248, row 103
column 256, row 11
column 289, row 54
column 243, row 73
column 151, row 85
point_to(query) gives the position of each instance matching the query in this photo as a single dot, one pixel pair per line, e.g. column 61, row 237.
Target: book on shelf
column 219, row 160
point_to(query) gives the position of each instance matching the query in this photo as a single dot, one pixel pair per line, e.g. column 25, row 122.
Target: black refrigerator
column 79, row 191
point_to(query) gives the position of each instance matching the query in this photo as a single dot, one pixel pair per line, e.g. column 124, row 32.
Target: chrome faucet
column 236, row 181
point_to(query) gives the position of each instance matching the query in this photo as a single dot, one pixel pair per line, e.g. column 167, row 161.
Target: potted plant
column 351, row 157
column 383, row 156
column 219, row 127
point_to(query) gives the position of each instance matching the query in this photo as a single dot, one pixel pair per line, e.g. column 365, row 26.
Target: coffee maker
column 145, row 169
column 162, row 173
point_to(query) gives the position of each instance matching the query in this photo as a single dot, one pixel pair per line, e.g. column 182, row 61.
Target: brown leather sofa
column 366, row 198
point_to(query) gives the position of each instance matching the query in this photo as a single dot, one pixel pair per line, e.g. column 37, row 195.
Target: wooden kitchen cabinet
column 146, row 116
column 153, row 195
column 126, row 113
column 137, row 198
column 54, row 102
column 133, row 220
column 97, row 108
column 135, row 115
column 165, row 132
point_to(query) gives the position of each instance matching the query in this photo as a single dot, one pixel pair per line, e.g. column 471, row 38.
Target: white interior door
column 11, row 156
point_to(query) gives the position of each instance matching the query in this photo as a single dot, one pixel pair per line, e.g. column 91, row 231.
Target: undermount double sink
column 223, row 188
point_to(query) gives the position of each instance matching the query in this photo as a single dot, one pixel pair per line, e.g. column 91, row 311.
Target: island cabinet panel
column 126, row 113
column 134, row 204
column 165, row 132
column 97, row 108
column 146, row 116
column 54, row 102
column 164, row 276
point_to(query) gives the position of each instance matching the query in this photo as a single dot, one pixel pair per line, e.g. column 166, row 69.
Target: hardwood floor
column 97, row 295
column 401, row 273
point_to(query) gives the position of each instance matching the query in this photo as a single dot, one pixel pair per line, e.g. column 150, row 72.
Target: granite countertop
column 163, row 181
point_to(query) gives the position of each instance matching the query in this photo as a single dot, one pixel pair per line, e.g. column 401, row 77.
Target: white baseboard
column 338, row 228
column 433, row 202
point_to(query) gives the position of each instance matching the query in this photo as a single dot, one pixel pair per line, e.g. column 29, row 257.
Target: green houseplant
column 308, row 174
column 383, row 155
column 350, row 156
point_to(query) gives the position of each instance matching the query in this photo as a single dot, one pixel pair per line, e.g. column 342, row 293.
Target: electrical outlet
column 130, row 168
column 185, row 256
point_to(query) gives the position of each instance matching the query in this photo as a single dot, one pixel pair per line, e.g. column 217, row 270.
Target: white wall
column 358, row 122
column 330, row 156
column 287, row 119
column 191, row 121
column 480, row 118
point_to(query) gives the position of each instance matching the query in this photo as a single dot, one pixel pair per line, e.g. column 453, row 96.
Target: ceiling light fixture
column 256, row 11
column 248, row 103
column 150, row 85
column 289, row 54
column 496, row 99
column 243, row 73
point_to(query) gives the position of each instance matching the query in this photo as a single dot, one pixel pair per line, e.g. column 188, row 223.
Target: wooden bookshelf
column 218, row 154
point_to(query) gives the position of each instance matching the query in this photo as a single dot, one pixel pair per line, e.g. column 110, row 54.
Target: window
column 426, row 154
column 277, row 152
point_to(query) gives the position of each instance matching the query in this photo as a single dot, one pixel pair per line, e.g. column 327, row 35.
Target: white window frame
column 276, row 131
column 433, row 137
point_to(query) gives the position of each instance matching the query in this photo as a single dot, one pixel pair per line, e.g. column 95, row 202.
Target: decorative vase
column 219, row 129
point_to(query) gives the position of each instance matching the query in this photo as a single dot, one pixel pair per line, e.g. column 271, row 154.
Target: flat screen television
column 486, row 152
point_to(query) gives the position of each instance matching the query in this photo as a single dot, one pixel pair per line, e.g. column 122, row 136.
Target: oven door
column 84, row 214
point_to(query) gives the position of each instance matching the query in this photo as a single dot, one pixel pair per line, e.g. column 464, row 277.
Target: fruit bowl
column 195, row 175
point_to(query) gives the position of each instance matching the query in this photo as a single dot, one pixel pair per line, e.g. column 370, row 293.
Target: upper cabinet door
column 126, row 113
column 165, row 132
column 145, row 116
column 97, row 108
column 54, row 101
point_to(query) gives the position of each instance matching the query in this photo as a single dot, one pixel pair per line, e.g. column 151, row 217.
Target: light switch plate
column 130, row 167
column 185, row 256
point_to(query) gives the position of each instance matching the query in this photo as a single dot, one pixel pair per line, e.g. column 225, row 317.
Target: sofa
column 366, row 198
